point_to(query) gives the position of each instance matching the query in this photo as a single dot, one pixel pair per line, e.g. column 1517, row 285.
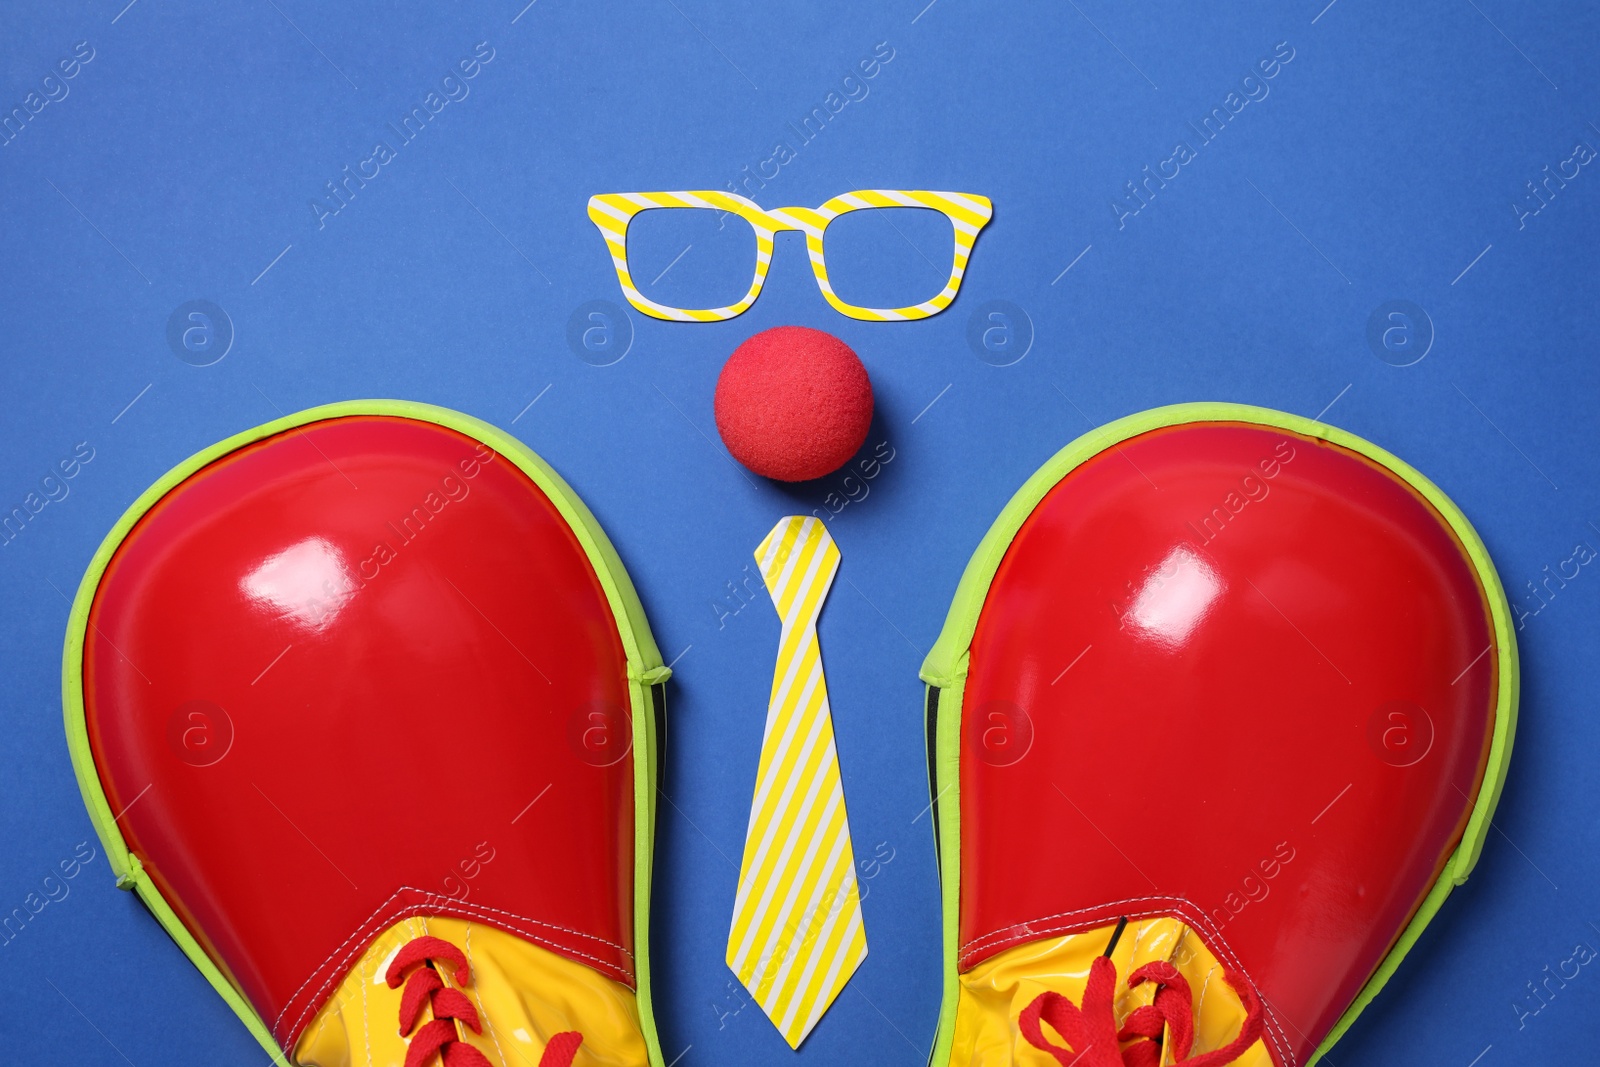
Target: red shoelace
column 1093, row 1039
column 449, row 1007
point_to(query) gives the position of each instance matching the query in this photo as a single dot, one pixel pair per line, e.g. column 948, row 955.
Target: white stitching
column 366, row 1014
column 431, row 902
column 966, row 950
column 408, row 912
column 1182, row 909
column 416, row 909
column 477, row 995
column 1204, row 987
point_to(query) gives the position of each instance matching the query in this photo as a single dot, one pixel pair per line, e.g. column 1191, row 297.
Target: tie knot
column 798, row 561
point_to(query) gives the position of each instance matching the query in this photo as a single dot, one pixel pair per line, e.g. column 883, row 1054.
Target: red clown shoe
column 1238, row 680
column 364, row 708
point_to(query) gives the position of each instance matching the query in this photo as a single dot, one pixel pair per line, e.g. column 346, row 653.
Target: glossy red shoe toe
column 368, row 662
column 1233, row 667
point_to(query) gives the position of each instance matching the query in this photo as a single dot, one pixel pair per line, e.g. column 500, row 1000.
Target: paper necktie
column 797, row 937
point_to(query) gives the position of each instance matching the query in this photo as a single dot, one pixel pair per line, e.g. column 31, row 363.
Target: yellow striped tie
column 797, row 936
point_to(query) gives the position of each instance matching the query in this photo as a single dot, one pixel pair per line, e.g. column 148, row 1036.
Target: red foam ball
column 793, row 403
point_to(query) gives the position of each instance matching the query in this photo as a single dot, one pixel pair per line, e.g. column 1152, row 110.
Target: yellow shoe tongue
column 994, row 993
column 525, row 995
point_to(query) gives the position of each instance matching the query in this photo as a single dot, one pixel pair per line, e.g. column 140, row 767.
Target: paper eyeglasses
column 967, row 212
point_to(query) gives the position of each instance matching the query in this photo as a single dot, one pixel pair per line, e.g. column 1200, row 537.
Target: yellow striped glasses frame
column 968, row 214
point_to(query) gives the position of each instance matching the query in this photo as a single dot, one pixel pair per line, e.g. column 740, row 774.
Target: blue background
column 1383, row 165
